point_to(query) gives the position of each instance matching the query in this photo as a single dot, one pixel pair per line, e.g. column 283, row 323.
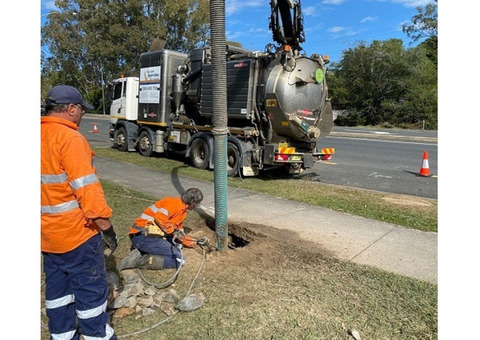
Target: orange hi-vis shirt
column 71, row 194
column 168, row 212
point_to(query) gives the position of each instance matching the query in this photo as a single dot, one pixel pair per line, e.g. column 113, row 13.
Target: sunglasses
column 80, row 107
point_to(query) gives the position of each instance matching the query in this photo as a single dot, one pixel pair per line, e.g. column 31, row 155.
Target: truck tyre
column 121, row 139
column 233, row 160
column 145, row 144
column 199, row 153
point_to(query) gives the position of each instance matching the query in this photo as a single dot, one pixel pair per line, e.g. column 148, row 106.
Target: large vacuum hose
column 220, row 127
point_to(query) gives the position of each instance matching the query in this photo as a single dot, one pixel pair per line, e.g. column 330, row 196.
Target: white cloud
column 234, row 6
column 336, row 29
column 332, row 2
column 341, row 31
column 310, row 10
column 414, row 3
column 368, row 19
column 252, row 32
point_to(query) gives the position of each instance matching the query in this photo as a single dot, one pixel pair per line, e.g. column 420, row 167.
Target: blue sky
column 331, row 26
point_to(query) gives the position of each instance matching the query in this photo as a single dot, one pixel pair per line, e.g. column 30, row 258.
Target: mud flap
column 326, row 122
column 308, row 160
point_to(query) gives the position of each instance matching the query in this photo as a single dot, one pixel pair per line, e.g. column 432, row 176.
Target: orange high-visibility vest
column 167, row 212
column 71, row 194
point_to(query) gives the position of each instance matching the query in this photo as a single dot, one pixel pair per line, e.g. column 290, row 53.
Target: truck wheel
column 199, row 153
column 145, row 144
column 233, row 160
column 121, row 139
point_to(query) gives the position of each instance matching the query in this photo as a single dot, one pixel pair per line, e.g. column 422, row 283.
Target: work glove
column 179, row 234
column 169, row 229
column 184, row 239
column 188, row 241
column 110, row 238
column 204, row 241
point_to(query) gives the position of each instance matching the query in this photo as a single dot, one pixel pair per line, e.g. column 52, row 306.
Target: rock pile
column 133, row 295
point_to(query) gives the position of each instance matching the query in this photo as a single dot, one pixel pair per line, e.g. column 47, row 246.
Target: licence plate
column 296, row 158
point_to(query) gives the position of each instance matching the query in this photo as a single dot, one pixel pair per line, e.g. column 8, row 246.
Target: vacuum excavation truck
column 277, row 103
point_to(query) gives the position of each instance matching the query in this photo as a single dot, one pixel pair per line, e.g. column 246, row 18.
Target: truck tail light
column 281, row 157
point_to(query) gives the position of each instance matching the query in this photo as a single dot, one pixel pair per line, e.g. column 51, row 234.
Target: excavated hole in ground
column 235, row 241
column 239, row 234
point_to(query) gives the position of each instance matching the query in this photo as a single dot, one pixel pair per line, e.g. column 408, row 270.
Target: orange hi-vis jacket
column 71, row 194
column 169, row 214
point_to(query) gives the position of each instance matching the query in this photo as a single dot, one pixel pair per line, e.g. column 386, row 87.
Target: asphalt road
column 382, row 160
column 374, row 159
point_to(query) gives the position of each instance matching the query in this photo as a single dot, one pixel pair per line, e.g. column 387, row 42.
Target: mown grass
column 410, row 212
column 273, row 289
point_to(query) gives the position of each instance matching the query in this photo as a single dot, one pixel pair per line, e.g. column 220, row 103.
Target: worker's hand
column 188, row 241
column 110, row 238
column 204, row 241
column 169, row 229
column 179, row 234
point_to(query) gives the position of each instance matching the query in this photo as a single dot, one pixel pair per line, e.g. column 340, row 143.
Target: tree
column 424, row 25
column 93, row 41
column 384, row 83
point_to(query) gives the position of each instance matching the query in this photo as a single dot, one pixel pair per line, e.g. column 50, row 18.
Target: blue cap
column 64, row 94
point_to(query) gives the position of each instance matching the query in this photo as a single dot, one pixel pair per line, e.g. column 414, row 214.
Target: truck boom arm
column 286, row 22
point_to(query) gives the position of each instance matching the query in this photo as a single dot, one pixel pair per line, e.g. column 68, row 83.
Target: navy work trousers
column 77, row 291
column 158, row 246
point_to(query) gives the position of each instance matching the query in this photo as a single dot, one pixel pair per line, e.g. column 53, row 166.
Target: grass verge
column 276, row 287
column 408, row 211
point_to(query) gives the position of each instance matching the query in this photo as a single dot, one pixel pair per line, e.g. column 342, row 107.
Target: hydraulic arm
column 286, row 22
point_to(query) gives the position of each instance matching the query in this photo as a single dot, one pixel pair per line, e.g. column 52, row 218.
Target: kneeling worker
column 158, row 230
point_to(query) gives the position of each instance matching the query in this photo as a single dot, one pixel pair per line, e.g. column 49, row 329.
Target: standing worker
column 74, row 217
column 156, row 232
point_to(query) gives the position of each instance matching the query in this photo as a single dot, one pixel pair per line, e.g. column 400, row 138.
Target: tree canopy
column 93, row 41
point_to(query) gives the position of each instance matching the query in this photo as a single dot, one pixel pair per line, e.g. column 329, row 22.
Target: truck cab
column 124, row 95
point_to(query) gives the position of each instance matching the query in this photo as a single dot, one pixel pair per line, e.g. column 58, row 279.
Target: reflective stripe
column 59, row 208
column 49, row 179
column 62, row 301
column 145, row 216
column 83, row 181
column 109, row 333
column 64, row 336
column 155, row 210
column 162, row 210
column 91, row 313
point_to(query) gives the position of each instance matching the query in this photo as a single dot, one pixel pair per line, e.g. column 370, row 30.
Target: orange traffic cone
column 95, row 130
column 424, row 170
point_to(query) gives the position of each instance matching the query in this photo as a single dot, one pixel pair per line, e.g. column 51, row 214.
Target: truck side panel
column 155, row 85
column 239, row 89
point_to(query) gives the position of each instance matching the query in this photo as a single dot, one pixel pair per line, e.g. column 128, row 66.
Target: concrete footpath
column 364, row 241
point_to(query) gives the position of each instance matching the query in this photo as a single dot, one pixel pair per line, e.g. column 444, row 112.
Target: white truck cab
column 124, row 96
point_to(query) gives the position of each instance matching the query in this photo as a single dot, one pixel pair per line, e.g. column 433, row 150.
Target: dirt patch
column 407, row 201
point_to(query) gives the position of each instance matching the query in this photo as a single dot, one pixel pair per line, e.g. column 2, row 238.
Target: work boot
column 152, row 262
column 131, row 261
